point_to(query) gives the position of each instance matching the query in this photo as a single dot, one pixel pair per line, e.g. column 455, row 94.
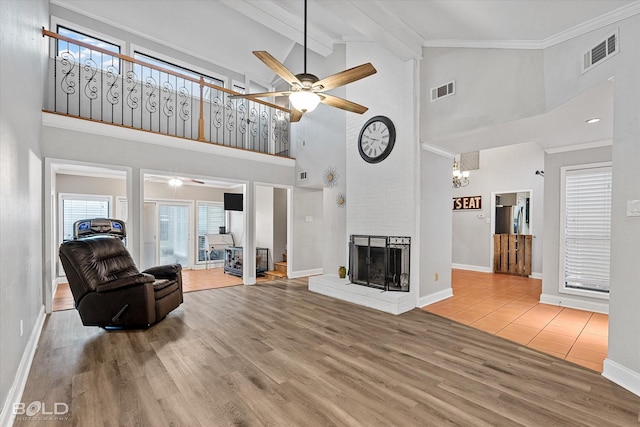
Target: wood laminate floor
column 276, row 354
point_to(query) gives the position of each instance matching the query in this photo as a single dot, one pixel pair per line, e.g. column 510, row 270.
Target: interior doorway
column 272, row 227
column 512, row 226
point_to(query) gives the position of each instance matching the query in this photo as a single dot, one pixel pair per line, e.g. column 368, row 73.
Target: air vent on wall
column 444, row 90
column 603, row 50
column 302, row 176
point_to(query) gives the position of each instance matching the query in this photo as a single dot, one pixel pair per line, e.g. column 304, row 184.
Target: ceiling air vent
column 603, row 50
column 442, row 91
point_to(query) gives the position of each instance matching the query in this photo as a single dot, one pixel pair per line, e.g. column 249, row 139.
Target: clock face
column 376, row 139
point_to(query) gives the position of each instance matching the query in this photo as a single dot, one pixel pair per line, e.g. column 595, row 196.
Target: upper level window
column 144, row 72
column 81, row 54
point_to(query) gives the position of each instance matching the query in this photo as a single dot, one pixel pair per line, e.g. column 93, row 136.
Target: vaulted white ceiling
column 225, row 32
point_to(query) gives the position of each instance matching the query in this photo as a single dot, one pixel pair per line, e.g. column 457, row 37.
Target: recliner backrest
column 94, row 260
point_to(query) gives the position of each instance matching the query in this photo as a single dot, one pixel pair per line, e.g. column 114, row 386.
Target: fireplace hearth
column 380, row 262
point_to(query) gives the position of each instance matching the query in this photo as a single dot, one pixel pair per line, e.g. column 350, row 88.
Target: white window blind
column 75, row 208
column 587, row 228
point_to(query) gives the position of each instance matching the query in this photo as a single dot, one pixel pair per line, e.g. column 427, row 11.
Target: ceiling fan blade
column 346, row 76
column 334, row 101
column 197, row 181
column 295, row 116
column 277, row 67
column 260, row 95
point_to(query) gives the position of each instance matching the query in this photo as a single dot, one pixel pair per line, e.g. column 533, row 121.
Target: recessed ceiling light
column 593, row 120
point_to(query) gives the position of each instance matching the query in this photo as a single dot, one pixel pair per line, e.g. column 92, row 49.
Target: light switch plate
column 633, row 207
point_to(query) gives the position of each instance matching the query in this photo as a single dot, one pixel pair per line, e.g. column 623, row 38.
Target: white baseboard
column 622, row 376
column 481, row 269
column 305, row 273
column 7, row 416
column 564, row 301
column 435, row 297
column 477, row 268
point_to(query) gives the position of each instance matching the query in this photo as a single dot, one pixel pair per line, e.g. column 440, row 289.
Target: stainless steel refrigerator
column 505, row 222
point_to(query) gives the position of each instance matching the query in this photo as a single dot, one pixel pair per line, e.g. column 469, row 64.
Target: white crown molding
column 612, row 17
column 484, row 44
column 437, row 150
column 609, row 18
column 583, row 146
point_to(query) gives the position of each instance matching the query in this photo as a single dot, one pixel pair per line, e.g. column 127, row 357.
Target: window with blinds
column 211, row 217
column 76, row 207
column 587, row 227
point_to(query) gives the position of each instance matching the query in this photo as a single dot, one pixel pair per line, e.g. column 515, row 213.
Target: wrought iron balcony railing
column 93, row 83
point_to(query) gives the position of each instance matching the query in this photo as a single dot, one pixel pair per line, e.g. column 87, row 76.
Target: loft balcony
column 92, row 83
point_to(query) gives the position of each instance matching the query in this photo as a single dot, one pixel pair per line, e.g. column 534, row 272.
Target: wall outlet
column 21, row 327
column 308, row 218
column 436, row 277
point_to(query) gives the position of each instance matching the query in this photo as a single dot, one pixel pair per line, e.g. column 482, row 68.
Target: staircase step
column 275, row 275
column 281, row 266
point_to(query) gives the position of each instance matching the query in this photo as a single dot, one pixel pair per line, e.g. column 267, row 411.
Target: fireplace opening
column 380, row 262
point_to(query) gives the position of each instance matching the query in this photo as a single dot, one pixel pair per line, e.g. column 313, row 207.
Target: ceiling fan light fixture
column 175, row 182
column 304, row 100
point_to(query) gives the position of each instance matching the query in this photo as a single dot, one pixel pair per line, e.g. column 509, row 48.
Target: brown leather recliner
column 108, row 289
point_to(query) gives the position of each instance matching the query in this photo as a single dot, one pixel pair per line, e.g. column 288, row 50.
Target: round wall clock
column 376, row 139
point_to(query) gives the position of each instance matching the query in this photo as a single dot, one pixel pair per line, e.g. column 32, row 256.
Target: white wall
column 552, row 226
column 280, row 232
column 435, row 227
column 22, row 70
column 264, row 220
column 382, row 197
column 492, row 86
column 307, row 227
column 623, row 364
column 318, row 139
column 504, row 170
column 564, row 81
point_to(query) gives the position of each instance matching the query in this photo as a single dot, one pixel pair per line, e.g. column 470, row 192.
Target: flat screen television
column 233, row 201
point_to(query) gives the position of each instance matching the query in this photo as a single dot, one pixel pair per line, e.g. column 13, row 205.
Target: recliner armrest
column 125, row 282
column 164, row 271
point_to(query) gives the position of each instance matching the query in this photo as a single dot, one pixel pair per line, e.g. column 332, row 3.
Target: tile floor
column 507, row 306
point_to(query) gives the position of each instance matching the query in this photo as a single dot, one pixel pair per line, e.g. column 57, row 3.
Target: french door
column 166, row 236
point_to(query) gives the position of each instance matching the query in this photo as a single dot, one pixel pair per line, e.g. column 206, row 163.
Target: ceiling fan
column 307, row 90
column 177, row 181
